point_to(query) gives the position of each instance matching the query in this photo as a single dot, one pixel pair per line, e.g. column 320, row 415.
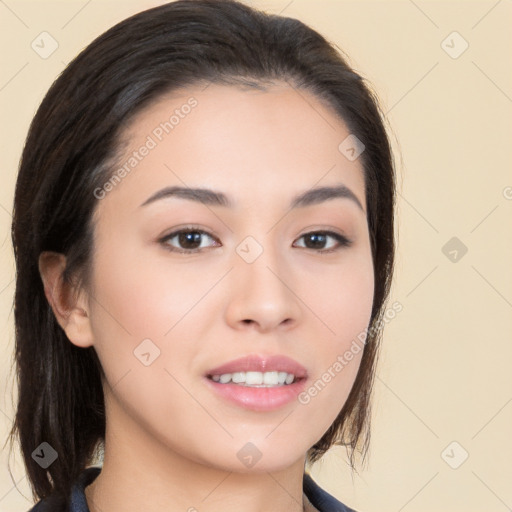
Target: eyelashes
column 185, row 236
column 318, row 236
column 192, row 238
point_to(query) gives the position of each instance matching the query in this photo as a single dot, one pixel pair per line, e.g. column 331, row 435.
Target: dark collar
column 319, row 498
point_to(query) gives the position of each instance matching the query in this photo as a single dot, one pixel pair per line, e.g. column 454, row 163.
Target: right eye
column 189, row 240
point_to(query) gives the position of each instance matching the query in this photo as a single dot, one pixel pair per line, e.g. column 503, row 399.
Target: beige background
column 445, row 368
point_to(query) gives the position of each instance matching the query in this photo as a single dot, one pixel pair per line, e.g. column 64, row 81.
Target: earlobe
column 69, row 308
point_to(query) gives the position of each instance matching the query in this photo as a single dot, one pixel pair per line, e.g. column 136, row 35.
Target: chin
column 253, row 458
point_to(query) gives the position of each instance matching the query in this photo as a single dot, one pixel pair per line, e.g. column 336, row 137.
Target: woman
column 203, row 234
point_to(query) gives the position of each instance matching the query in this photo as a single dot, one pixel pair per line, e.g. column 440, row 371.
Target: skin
column 171, row 444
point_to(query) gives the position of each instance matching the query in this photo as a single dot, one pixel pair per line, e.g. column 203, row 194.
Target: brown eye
column 317, row 240
column 186, row 240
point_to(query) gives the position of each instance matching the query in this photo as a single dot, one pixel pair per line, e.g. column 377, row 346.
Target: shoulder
column 50, row 504
column 75, row 502
column 321, row 499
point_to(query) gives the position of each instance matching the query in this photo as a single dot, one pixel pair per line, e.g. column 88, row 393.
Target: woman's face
column 254, row 279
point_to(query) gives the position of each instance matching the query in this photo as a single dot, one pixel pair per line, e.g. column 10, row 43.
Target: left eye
column 189, row 241
column 319, row 238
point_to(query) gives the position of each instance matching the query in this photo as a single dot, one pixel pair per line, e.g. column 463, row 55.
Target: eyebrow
column 214, row 198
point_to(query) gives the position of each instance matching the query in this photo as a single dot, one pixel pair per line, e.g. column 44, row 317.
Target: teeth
column 237, row 377
column 253, row 378
column 271, row 378
column 225, row 378
column 282, row 377
column 256, row 379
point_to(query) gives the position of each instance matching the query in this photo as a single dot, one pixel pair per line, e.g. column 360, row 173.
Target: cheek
column 340, row 296
column 343, row 308
column 154, row 309
column 142, row 299
column 139, row 321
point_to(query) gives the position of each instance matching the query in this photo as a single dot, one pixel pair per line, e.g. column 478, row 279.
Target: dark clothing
column 320, row 499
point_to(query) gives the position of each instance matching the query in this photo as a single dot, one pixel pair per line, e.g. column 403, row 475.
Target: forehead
column 255, row 145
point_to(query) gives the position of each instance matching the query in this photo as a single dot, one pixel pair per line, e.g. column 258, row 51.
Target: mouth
column 256, row 379
column 258, row 383
column 256, row 370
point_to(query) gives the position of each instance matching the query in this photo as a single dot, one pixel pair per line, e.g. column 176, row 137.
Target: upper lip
column 257, row 363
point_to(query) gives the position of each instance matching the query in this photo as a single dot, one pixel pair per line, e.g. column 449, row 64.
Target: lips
column 256, row 363
column 269, row 397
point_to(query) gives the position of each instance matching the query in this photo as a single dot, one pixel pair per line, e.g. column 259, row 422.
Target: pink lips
column 260, row 399
column 255, row 363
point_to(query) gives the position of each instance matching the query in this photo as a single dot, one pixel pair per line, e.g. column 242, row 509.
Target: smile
column 256, row 379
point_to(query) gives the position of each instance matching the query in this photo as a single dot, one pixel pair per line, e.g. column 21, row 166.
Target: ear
column 70, row 308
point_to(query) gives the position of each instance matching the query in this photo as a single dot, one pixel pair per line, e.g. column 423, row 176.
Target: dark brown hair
column 69, row 150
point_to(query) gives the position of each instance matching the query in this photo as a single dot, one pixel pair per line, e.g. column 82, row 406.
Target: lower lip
column 258, row 399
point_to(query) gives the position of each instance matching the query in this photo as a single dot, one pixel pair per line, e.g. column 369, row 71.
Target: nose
column 262, row 295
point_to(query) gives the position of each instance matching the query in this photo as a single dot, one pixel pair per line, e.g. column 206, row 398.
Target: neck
column 150, row 476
